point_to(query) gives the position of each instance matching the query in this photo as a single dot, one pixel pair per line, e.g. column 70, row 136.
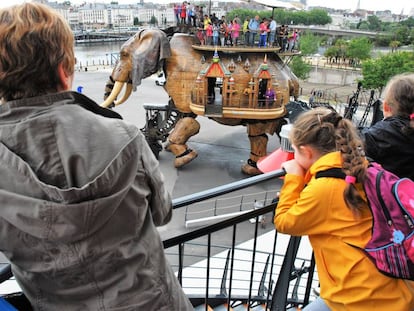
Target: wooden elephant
column 226, row 84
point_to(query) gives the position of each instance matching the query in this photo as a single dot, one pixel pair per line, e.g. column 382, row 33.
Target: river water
column 105, row 53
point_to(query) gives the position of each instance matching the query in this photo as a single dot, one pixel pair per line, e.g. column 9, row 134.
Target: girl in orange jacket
column 335, row 215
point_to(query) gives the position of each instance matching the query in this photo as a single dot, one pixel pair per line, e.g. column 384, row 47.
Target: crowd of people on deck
column 253, row 32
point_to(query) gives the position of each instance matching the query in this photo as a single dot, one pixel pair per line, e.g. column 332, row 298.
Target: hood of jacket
column 62, row 180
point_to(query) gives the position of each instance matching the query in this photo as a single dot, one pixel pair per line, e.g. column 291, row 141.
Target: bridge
column 102, row 36
column 334, row 31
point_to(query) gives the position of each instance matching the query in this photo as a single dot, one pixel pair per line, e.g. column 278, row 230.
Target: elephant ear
column 147, row 62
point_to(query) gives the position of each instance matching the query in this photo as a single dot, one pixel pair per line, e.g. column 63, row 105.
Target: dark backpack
column 391, row 200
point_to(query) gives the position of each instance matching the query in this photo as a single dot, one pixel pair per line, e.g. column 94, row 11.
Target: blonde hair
column 34, row 40
column 327, row 131
column 399, row 95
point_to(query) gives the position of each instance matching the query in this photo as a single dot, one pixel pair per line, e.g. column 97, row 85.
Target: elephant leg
column 258, row 144
column 184, row 129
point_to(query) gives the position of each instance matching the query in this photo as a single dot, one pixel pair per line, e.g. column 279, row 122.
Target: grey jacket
column 80, row 196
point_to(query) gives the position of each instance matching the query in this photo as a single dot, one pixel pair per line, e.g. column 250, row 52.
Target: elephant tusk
column 115, row 92
column 127, row 93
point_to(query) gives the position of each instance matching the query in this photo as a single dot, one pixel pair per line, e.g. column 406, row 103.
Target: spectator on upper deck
column 254, row 24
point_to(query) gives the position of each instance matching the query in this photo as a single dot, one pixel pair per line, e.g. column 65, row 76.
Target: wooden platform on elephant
column 236, row 49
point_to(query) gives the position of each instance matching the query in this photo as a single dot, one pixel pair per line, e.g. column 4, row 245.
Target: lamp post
column 317, row 56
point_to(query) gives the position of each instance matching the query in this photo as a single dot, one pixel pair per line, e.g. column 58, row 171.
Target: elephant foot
column 185, row 158
column 250, row 168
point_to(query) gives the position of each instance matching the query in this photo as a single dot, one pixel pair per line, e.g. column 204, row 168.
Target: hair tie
column 412, row 116
column 350, row 179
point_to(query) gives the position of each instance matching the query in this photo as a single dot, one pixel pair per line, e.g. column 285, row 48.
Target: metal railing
column 217, row 264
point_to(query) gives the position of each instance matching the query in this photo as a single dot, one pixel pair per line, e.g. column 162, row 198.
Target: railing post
column 223, row 291
column 262, row 287
column 280, row 293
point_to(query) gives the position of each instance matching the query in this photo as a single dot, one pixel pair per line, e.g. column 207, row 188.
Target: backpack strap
column 378, row 178
column 334, row 172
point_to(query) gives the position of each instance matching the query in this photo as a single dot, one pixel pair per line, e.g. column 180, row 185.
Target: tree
column 319, row 17
column 309, row 43
column 374, row 23
column 282, row 16
column 377, row 72
column 153, row 20
column 332, row 54
column 359, row 49
column 300, row 68
column 394, row 45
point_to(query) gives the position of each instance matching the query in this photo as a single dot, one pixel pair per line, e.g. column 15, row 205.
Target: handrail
column 224, row 189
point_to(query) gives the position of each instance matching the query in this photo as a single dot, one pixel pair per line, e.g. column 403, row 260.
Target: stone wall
column 327, row 74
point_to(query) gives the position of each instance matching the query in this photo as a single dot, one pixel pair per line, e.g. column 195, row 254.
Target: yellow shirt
column 349, row 280
column 207, row 21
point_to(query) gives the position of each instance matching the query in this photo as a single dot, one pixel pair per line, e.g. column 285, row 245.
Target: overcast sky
column 376, row 5
column 394, row 5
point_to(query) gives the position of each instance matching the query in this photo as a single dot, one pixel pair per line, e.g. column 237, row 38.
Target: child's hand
column 293, row 167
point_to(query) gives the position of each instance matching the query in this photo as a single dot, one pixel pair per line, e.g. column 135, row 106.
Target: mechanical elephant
column 226, row 85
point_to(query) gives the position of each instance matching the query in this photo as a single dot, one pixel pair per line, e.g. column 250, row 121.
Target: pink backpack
column 391, row 200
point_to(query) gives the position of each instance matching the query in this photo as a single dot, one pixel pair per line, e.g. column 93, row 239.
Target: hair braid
column 328, row 131
column 354, row 161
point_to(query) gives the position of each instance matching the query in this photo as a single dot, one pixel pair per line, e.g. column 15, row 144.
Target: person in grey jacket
column 81, row 193
column 390, row 142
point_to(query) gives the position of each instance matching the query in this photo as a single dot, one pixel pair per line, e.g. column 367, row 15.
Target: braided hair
column 327, row 131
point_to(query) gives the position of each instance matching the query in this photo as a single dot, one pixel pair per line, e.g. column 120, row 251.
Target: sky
column 396, row 6
column 375, row 5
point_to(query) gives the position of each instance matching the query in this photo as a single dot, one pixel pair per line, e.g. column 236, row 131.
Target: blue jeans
column 252, row 37
column 263, row 38
column 215, row 40
column 272, row 38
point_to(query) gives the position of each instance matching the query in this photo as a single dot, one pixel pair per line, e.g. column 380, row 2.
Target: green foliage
column 383, row 39
column 136, row 21
column 402, row 34
column 282, row 16
column 409, row 22
column 309, row 43
column 246, row 13
column 300, row 68
column 359, row 49
column 394, row 45
column 332, row 52
column 377, row 72
column 374, row 23
column 319, row 17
